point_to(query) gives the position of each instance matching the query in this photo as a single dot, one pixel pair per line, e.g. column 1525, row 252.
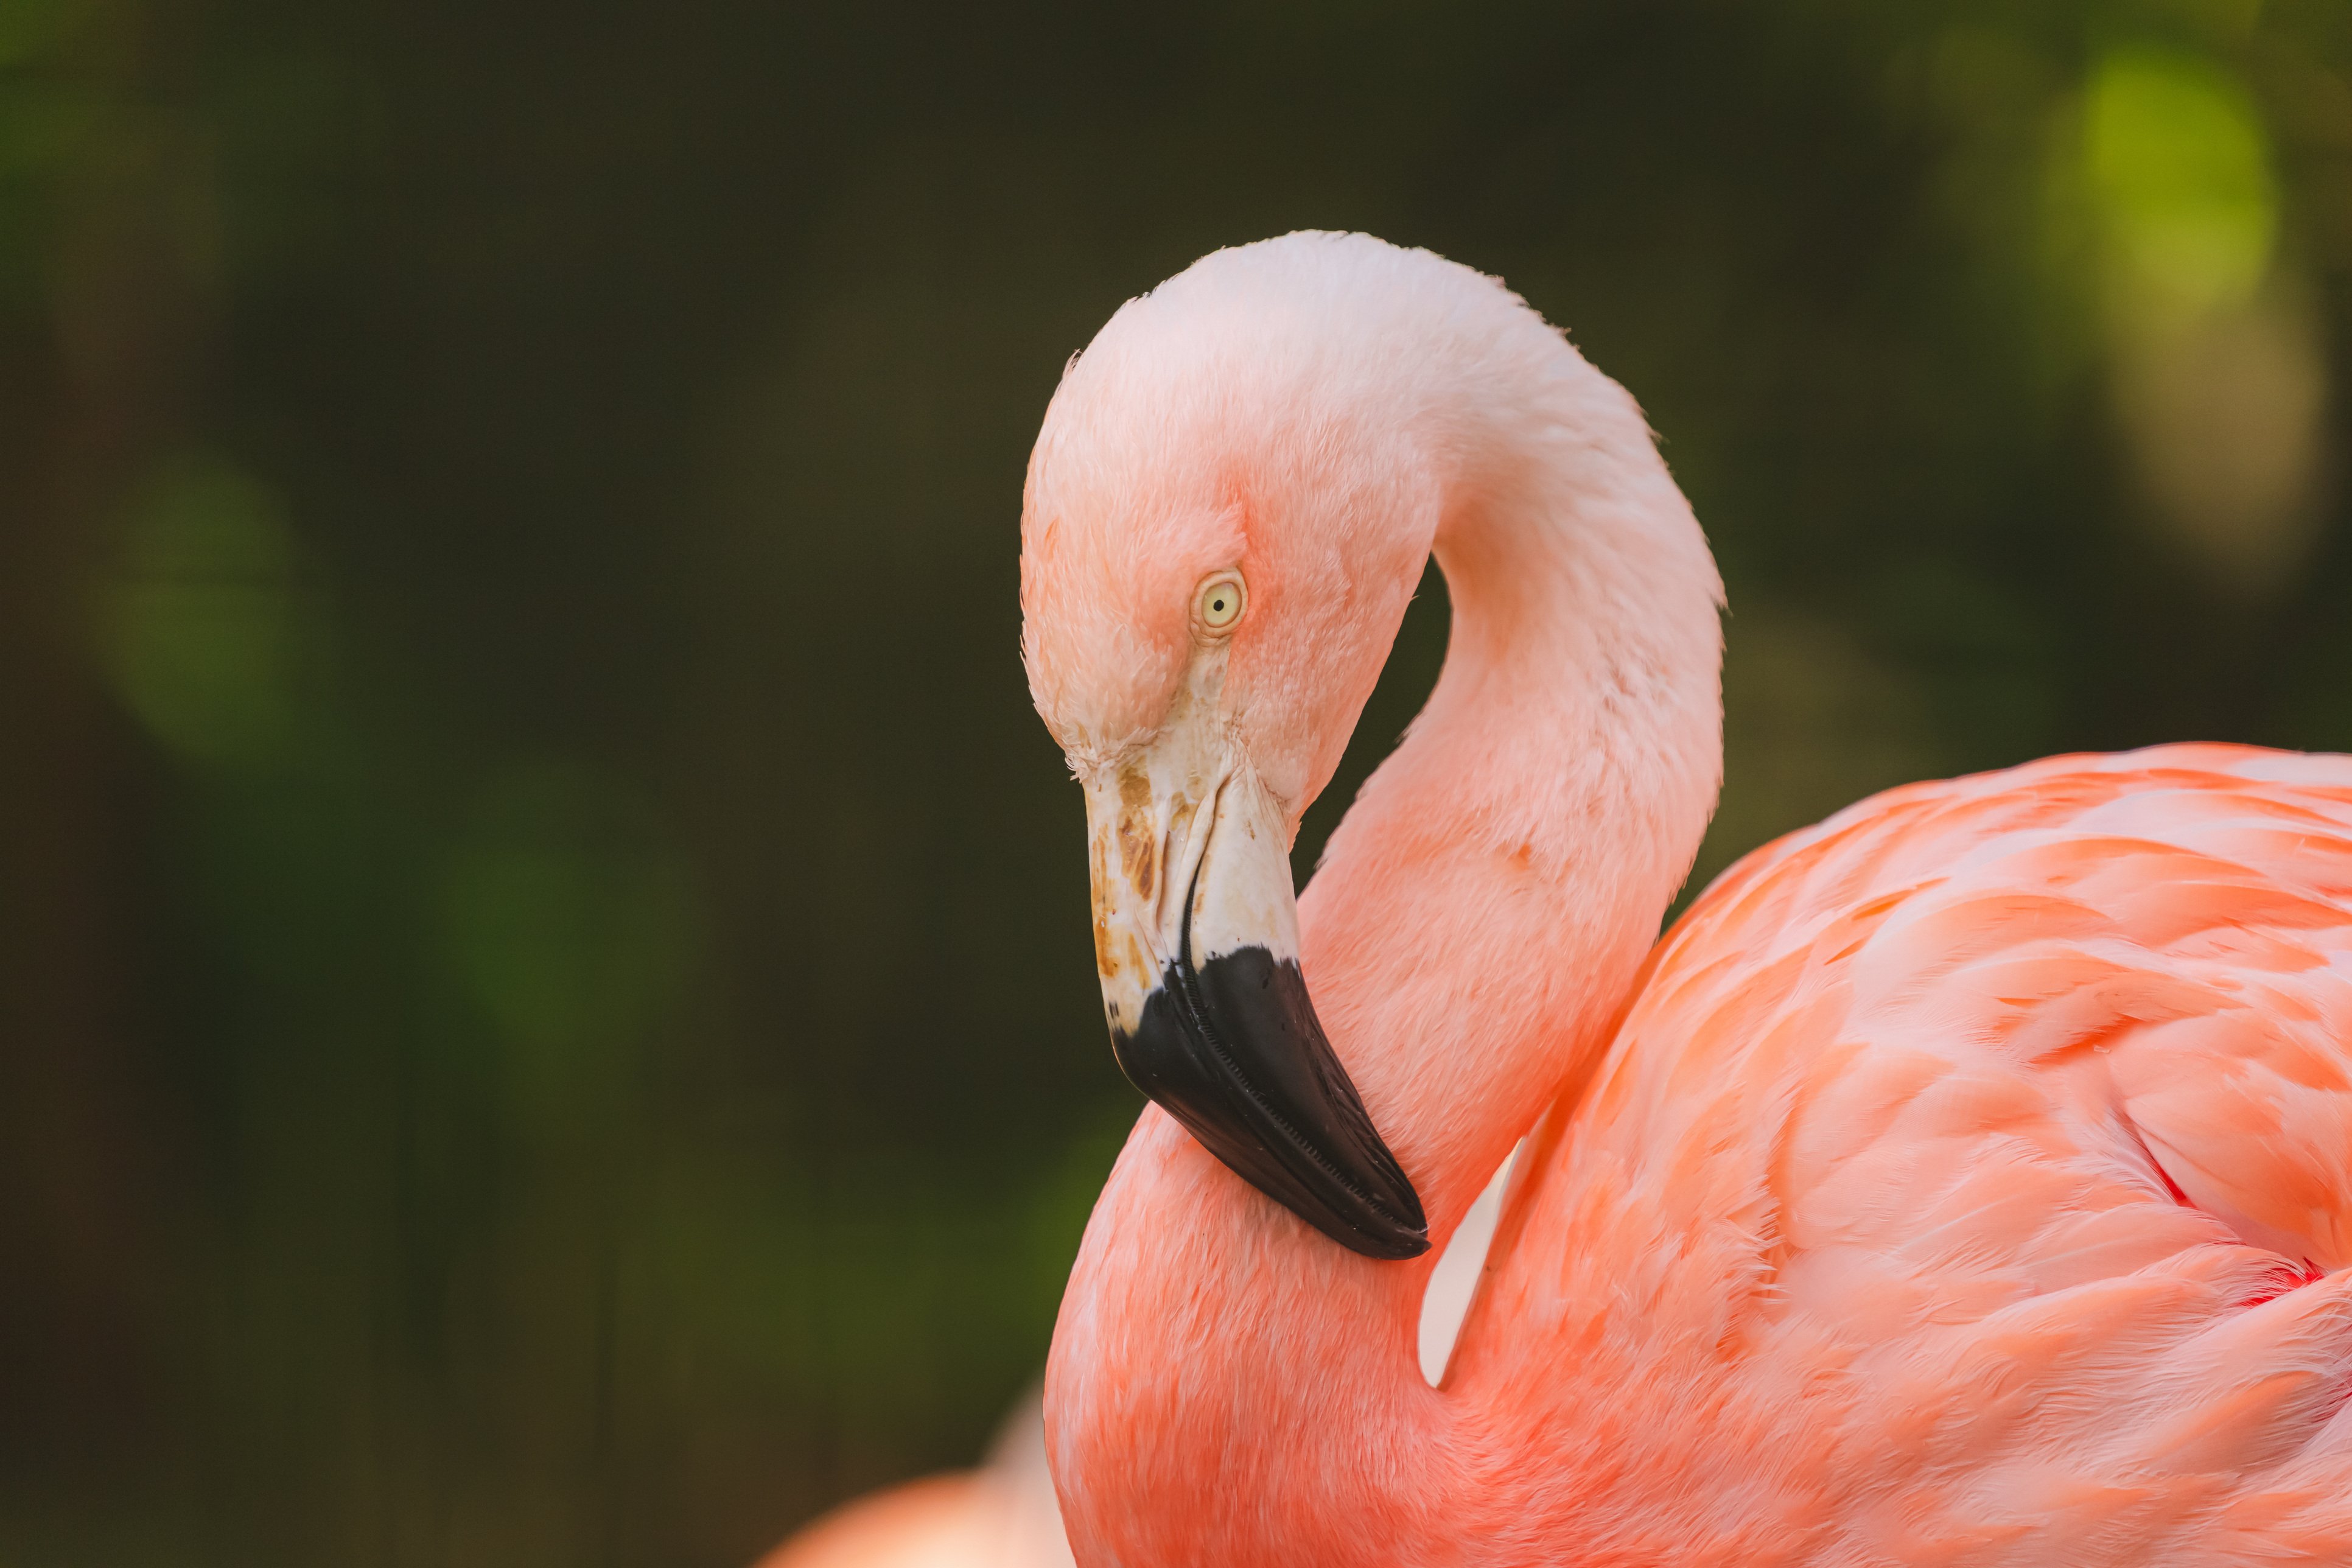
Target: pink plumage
column 1963, row 1181
column 1876, row 1187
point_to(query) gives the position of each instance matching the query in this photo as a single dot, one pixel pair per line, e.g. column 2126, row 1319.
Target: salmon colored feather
column 1964, row 1181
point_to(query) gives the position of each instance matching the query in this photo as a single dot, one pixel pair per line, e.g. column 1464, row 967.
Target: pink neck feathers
column 1229, row 1385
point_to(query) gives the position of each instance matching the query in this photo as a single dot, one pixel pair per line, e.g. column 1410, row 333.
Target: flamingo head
column 1227, row 510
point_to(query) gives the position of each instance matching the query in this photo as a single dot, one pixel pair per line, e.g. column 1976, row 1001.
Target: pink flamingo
column 1005, row 1514
column 1001, row 1515
column 1963, row 1181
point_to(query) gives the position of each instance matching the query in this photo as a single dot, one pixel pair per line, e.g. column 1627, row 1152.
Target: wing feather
column 1972, row 1178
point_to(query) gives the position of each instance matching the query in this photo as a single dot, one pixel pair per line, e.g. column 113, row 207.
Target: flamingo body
column 1967, row 1181
column 1970, row 1181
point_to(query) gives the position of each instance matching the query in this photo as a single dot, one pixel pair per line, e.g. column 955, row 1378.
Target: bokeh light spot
column 200, row 624
column 2179, row 172
column 2218, row 378
column 567, row 918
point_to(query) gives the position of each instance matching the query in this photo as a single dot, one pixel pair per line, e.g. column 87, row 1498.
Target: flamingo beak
column 1196, row 941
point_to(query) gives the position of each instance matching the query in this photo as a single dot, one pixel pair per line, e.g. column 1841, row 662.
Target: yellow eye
column 1219, row 602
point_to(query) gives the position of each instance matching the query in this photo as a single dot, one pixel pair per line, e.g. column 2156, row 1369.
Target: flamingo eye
column 1219, row 602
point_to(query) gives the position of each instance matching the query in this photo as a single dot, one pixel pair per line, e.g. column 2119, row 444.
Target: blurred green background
column 545, row 1014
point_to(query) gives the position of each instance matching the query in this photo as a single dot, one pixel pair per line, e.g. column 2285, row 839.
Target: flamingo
column 1001, row 1515
column 1962, row 1181
column 1005, row 1514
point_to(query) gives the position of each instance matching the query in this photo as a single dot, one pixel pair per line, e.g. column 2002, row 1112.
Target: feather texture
column 1972, row 1171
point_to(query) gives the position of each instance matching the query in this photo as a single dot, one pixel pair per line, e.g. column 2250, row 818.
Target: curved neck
column 1230, row 1386
column 1480, row 912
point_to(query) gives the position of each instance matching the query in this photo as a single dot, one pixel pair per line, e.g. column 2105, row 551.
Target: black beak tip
column 1233, row 1051
column 1394, row 1247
